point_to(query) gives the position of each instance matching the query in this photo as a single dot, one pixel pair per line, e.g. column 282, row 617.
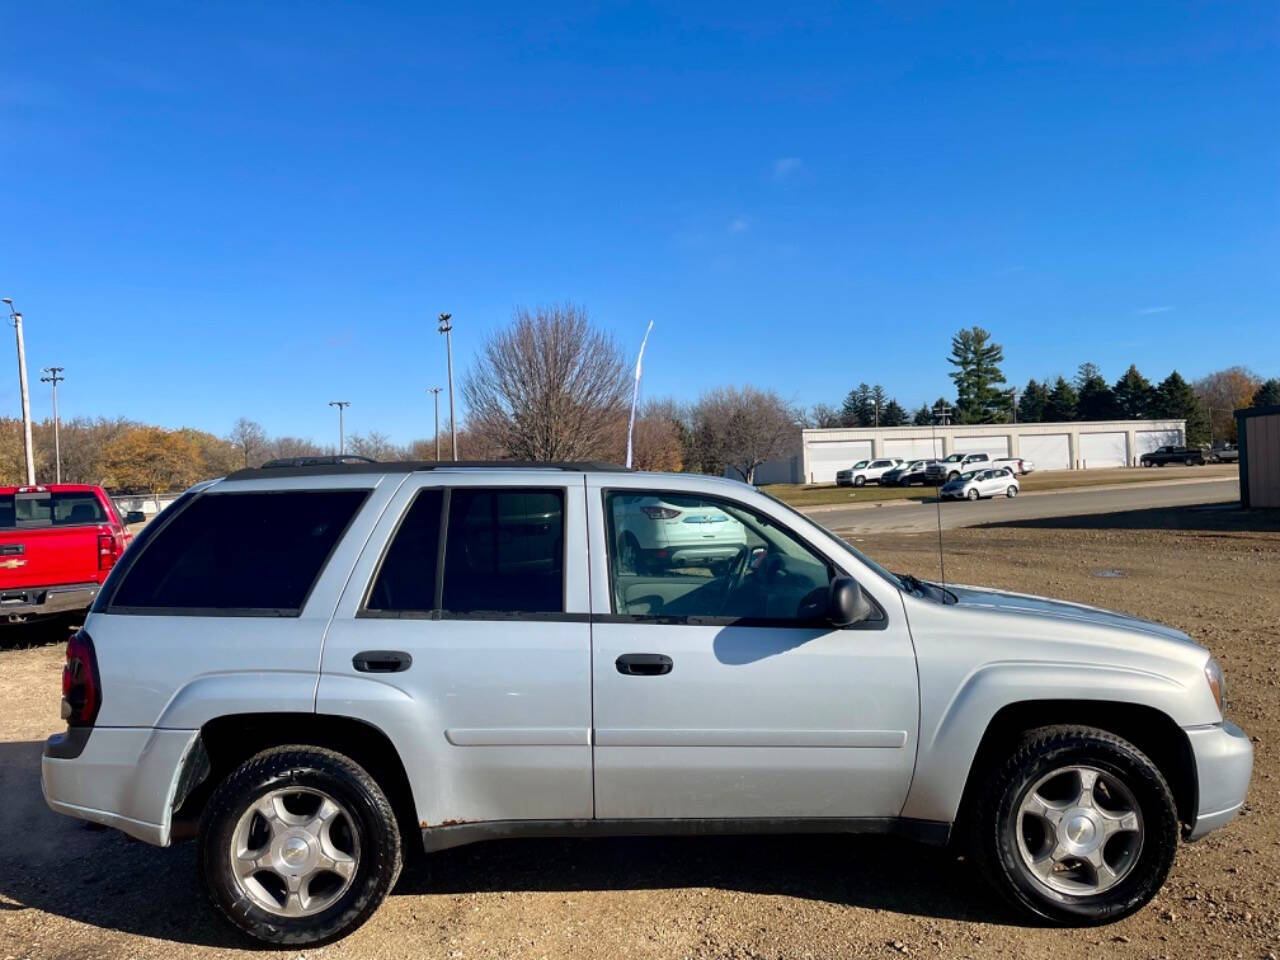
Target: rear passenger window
column 246, row 552
column 407, row 578
column 504, row 551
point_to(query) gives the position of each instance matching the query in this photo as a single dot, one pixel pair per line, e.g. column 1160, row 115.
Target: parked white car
column 990, row 482
column 655, row 532
column 309, row 670
column 866, row 471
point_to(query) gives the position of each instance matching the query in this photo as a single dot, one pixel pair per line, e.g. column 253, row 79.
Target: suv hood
column 1030, row 605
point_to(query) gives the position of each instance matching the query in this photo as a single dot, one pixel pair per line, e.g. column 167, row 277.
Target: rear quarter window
column 238, row 553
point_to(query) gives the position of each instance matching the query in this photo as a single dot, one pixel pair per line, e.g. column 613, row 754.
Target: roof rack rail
column 323, row 466
column 325, row 460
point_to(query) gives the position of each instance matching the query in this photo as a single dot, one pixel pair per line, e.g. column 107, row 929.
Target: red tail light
column 108, row 551
column 660, row 513
column 81, row 688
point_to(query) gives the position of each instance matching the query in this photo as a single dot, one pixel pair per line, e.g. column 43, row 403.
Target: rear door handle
column 382, row 661
column 643, row 664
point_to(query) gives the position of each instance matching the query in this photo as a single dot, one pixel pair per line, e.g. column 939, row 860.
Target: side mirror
column 134, row 516
column 847, row 604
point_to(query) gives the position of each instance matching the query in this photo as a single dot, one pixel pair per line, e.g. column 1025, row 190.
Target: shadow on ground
column 39, row 633
column 100, row 877
column 1207, row 518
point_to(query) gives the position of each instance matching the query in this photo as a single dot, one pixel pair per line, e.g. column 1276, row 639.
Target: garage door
column 1103, row 450
column 1049, row 452
column 994, row 447
column 826, row 458
column 1144, row 441
column 914, row 449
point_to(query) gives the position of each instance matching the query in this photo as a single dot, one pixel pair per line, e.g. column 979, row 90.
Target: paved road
column 921, row 518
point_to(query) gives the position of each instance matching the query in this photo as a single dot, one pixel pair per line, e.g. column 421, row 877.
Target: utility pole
column 16, row 318
column 435, row 393
column 55, row 377
column 1013, row 395
column 342, row 431
column 942, row 414
column 446, row 327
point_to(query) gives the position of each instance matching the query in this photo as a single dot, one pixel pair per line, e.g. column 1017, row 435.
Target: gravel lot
column 70, row 891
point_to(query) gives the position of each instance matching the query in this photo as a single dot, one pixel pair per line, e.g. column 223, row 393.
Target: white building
column 1052, row 446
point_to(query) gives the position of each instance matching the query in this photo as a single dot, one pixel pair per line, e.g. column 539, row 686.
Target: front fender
column 951, row 735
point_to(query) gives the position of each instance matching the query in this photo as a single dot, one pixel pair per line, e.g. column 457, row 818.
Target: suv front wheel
column 299, row 845
column 1078, row 826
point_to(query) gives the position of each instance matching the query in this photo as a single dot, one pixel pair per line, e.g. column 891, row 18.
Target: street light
column 446, row 327
column 342, row 433
column 435, row 393
column 55, row 377
column 16, row 318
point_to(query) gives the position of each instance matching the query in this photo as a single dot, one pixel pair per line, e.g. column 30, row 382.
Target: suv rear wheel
column 1078, row 826
column 299, row 845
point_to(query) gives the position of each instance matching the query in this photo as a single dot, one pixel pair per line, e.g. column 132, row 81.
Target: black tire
column 370, row 815
column 859, row 481
column 994, row 824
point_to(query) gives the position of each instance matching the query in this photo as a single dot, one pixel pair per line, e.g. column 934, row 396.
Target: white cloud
column 1149, row 310
column 784, row 167
column 739, row 225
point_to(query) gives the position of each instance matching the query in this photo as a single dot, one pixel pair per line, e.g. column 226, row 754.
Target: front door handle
column 382, row 661
column 643, row 664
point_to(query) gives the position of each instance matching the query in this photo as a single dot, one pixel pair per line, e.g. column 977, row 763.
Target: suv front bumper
column 122, row 777
column 1224, row 764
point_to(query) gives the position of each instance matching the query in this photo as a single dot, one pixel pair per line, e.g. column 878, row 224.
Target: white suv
column 312, row 669
column 866, row 471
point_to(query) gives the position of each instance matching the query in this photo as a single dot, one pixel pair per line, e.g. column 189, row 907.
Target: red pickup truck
column 58, row 542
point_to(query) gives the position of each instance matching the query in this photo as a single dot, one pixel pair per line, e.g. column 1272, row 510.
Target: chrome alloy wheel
column 294, row 852
column 1079, row 831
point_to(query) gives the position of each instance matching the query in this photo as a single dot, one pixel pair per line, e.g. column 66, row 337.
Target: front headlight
column 1217, row 686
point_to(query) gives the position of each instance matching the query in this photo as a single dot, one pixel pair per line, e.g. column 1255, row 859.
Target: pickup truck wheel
column 1188, row 462
column 1078, row 826
column 299, row 845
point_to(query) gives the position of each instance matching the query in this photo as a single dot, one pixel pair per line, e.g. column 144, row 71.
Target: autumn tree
column 152, row 459
column 549, row 387
column 741, row 428
column 1222, row 393
column 977, row 376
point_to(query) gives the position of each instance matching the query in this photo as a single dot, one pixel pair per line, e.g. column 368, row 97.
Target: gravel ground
column 70, row 891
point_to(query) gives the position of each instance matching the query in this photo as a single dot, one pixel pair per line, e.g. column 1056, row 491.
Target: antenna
column 940, row 412
column 635, row 392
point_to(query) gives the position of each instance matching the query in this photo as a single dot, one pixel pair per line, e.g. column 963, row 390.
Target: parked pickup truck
column 1225, row 453
column 57, row 545
column 940, row 471
column 1189, row 456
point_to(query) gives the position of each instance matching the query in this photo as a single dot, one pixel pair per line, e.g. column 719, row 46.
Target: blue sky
column 219, row 210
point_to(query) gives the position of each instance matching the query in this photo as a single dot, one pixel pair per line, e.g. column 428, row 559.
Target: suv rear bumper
column 46, row 601
column 123, row 777
column 1224, row 764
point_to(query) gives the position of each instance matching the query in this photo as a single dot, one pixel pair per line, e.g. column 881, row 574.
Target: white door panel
column 1048, row 451
column 751, row 720
column 1103, row 450
column 826, row 458
column 494, row 716
column 1145, row 441
column 914, row 449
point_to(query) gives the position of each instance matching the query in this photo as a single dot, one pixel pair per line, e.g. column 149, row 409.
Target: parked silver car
column 309, row 668
column 994, row 482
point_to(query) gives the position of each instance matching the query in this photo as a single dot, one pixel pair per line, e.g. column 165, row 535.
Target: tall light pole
column 55, row 377
column 446, row 327
column 342, row 431
column 435, row 393
column 16, row 319
column 1013, row 402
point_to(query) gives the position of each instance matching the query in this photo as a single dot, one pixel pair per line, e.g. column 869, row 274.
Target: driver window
column 681, row 555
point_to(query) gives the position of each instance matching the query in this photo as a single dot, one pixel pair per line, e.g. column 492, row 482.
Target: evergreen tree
column 1062, row 402
column 858, row 410
column 1177, row 400
column 893, row 415
column 1094, row 400
column 1268, row 394
column 1133, row 395
column 924, row 416
column 1033, row 402
column 977, row 376
column 942, row 412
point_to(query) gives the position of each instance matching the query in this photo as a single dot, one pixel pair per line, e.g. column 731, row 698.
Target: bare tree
column 374, row 445
column 741, row 428
column 284, row 447
column 548, row 387
column 248, row 437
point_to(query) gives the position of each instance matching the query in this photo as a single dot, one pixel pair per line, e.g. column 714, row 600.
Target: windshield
column 954, row 458
column 860, row 464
